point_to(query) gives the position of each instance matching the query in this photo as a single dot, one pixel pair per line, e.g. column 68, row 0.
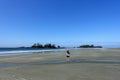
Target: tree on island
column 37, row 45
column 58, row 47
column 90, row 46
column 50, row 46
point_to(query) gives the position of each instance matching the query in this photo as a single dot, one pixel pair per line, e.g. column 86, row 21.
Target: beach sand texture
column 62, row 71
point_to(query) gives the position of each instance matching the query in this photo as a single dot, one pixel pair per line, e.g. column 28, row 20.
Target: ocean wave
column 29, row 51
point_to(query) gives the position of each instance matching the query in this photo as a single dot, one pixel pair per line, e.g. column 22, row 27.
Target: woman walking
column 68, row 56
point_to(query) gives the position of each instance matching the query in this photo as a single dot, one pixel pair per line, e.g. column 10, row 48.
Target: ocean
column 19, row 51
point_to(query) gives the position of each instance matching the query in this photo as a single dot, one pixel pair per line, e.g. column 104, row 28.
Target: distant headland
column 89, row 46
column 53, row 46
column 38, row 45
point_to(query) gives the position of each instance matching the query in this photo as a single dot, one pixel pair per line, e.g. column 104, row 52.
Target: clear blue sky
column 64, row 22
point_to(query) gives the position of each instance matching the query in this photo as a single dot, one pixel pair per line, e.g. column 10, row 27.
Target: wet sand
column 85, row 65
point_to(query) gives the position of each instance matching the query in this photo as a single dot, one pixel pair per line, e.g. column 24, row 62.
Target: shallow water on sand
column 59, row 62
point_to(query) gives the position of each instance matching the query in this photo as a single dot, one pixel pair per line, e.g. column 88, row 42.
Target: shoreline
column 37, row 51
column 22, row 52
column 80, row 54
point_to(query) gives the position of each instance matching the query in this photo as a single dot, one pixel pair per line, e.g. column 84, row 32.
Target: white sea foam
column 29, row 51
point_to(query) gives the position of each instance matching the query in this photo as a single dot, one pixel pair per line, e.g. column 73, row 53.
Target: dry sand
column 64, row 71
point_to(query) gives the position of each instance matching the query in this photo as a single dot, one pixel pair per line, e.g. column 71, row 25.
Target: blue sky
column 63, row 22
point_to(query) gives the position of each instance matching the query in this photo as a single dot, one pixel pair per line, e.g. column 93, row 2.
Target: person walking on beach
column 68, row 56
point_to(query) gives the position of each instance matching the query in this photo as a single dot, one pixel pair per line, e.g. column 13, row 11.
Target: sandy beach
column 62, row 71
